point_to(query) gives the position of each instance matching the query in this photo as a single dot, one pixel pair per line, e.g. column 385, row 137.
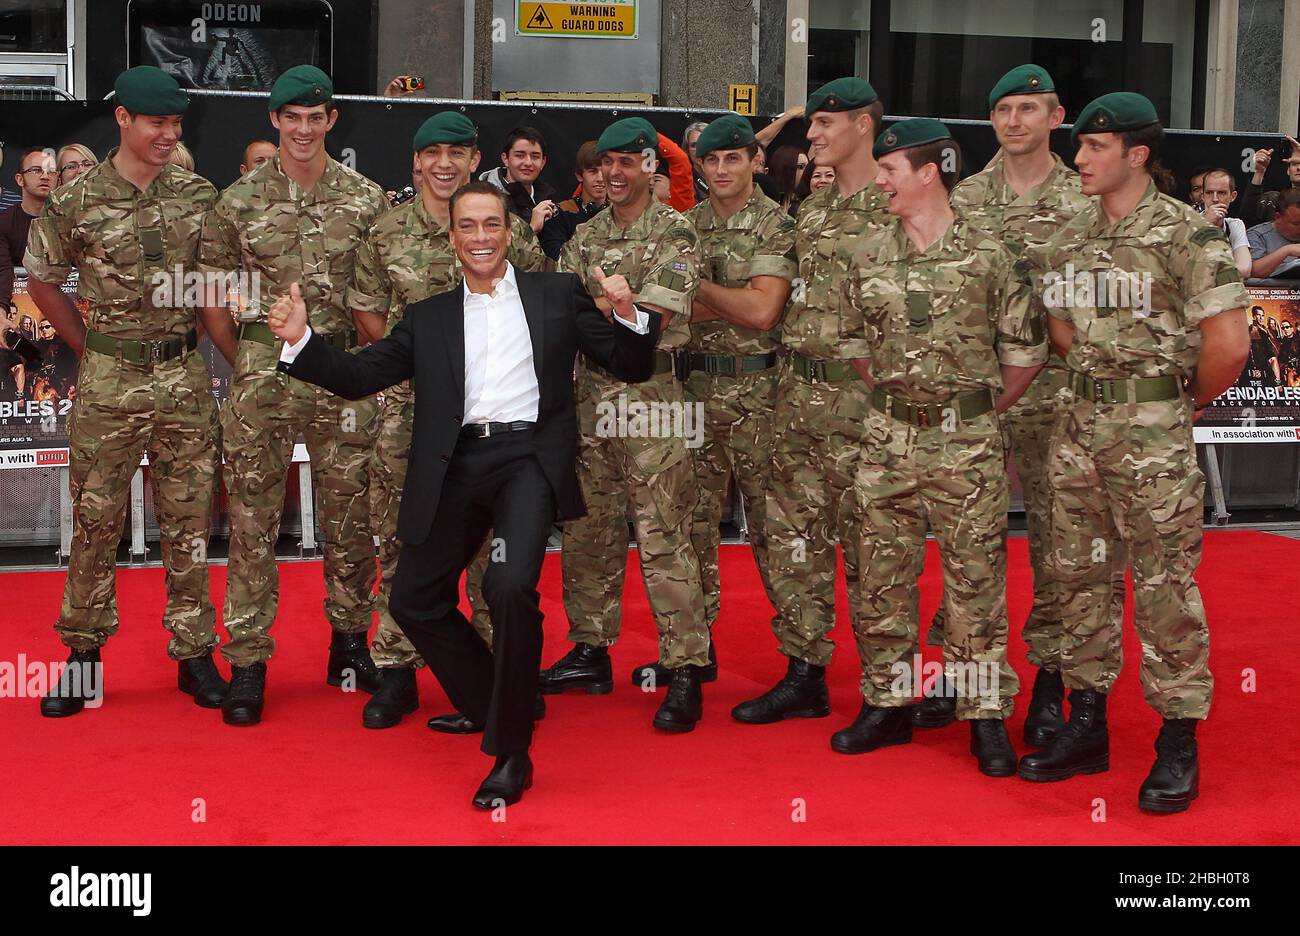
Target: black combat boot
column 1175, row 778
column 1083, row 745
column 243, row 704
column 642, row 675
column 199, row 677
column 583, row 667
column 350, row 652
column 939, row 708
column 875, row 727
column 397, row 697
column 79, row 681
column 991, row 745
column 1045, row 719
column 684, row 704
column 801, row 693
column 539, row 708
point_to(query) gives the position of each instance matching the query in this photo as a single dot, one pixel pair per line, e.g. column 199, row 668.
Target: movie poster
column 1264, row 404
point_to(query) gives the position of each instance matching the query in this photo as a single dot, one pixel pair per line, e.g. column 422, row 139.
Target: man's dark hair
column 478, row 187
column 939, row 152
column 1232, row 179
column 1152, row 137
column 587, row 157
column 531, row 134
column 32, row 149
column 328, row 105
column 1287, row 198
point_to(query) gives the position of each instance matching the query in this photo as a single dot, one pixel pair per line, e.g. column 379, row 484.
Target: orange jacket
column 681, row 176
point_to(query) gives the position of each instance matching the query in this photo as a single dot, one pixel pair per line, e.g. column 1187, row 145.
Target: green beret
column 1115, row 113
column 447, row 127
column 730, row 131
column 629, row 135
column 305, row 85
column 916, row 131
column 148, row 90
column 840, row 95
column 1023, row 79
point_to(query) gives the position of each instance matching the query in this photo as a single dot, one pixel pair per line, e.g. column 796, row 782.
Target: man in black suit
column 494, row 445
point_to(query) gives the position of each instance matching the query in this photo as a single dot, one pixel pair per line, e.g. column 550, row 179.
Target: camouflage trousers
column 121, row 411
column 1029, row 426
column 810, row 507
column 737, row 443
column 620, row 460
column 1127, row 473
column 955, row 483
column 260, row 422
column 387, row 475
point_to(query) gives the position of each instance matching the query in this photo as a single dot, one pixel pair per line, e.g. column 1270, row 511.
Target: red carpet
column 130, row 771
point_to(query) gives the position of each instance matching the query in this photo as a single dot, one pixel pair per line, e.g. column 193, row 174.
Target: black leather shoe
column 1083, row 745
column 875, row 727
column 199, row 677
column 1175, row 778
column 937, row 710
column 455, row 723
column 684, row 704
column 539, row 708
column 583, row 667
column 662, row 674
column 991, row 745
column 75, row 686
column 397, row 697
column 350, row 652
column 1045, row 718
column 801, row 693
column 243, row 703
column 505, row 784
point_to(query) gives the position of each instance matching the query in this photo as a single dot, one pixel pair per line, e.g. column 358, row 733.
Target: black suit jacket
column 428, row 344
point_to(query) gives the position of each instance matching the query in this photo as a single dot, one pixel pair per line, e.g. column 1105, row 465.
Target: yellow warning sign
column 743, row 99
column 613, row 20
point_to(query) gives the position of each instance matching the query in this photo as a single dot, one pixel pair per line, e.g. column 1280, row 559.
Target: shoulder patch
column 1207, row 234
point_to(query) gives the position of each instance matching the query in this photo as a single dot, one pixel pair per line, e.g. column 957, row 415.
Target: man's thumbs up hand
column 288, row 316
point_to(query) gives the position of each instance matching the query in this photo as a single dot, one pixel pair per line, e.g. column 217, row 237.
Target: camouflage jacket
column 1137, row 290
column 119, row 238
column 658, row 254
column 266, row 224
column 407, row 256
column 939, row 322
column 827, row 231
column 1021, row 222
column 758, row 240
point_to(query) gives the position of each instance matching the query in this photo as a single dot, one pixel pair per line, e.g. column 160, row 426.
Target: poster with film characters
column 1264, row 404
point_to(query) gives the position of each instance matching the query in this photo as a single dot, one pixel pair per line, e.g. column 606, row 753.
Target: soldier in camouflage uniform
column 295, row 219
column 1145, row 302
column 821, row 403
column 747, row 265
column 623, row 456
column 1022, row 198
column 141, row 387
column 407, row 256
column 952, row 339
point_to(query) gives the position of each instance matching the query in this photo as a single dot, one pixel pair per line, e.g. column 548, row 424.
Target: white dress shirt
column 500, row 382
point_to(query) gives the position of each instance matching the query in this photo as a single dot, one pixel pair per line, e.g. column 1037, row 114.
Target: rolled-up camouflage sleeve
column 1209, row 276
column 525, row 251
column 1021, row 340
column 219, row 245
column 49, row 256
column 370, row 289
column 672, row 280
column 775, row 253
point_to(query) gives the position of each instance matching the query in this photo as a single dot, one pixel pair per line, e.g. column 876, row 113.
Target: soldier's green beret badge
column 916, row 131
column 150, row 91
column 730, row 131
column 1115, row 113
column 304, row 85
